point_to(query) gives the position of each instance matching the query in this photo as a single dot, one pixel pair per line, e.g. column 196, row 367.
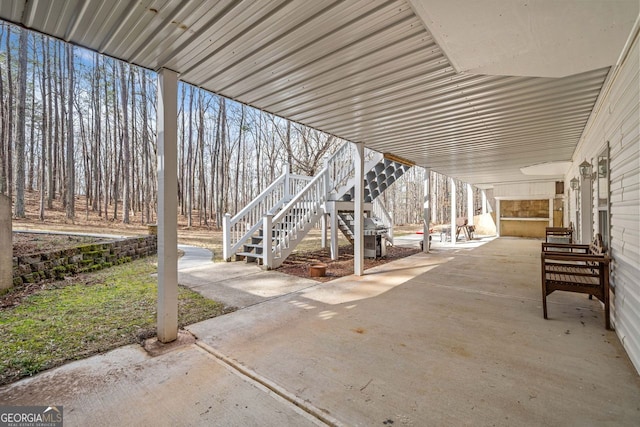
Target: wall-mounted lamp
column 602, row 168
column 574, row 183
column 585, row 170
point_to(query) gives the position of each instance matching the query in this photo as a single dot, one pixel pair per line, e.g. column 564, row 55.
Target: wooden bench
column 559, row 234
column 576, row 268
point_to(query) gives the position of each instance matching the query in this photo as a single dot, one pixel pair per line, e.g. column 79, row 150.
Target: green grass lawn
column 90, row 314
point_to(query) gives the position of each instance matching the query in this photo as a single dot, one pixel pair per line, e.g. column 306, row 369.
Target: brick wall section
column 96, row 256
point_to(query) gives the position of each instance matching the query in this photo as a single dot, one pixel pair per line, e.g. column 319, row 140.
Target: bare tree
column 10, row 124
column 70, row 175
column 3, row 128
column 21, row 125
column 45, row 127
column 126, row 152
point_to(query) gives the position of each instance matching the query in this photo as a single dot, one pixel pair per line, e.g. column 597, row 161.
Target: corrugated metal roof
column 364, row 70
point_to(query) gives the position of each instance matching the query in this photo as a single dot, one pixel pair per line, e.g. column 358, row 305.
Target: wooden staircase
column 294, row 204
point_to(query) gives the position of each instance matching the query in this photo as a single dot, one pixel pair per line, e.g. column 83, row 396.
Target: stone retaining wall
column 59, row 264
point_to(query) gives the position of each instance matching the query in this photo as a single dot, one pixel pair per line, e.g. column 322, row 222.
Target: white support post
column 334, row 232
column 498, row 217
column 167, row 130
column 484, row 202
column 550, row 212
column 6, row 237
column 324, row 222
column 267, row 253
column 426, row 241
column 358, row 243
column 453, row 211
column 226, row 237
column 470, row 210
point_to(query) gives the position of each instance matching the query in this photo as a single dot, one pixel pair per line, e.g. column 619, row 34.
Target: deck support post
column 333, row 243
column 167, row 131
column 358, row 214
column 6, row 237
column 453, row 211
column 470, row 210
column 484, row 202
column 426, row 241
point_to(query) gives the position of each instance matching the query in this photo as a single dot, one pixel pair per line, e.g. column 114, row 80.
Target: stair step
column 250, row 256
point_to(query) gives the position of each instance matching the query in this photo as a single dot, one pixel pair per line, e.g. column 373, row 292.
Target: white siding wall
column 526, row 190
column 616, row 119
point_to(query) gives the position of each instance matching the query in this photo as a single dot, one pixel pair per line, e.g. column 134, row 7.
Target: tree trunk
column 10, row 124
column 126, row 153
column 32, row 121
column 181, row 177
column 21, row 125
column 62, row 171
column 239, row 154
column 202, row 183
column 97, row 135
column 189, row 178
column 45, row 127
column 53, row 122
column 3, row 127
column 70, row 162
column 146, row 194
column 222, row 162
column 116, row 153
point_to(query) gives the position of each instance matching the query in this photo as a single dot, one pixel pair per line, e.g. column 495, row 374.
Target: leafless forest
column 74, row 122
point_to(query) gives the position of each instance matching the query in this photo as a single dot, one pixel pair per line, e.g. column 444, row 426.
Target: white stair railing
column 379, row 211
column 341, row 169
column 237, row 231
column 289, row 207
column 293, row 222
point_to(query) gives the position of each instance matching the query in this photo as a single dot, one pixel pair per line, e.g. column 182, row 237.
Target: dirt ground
column 298, row 264
column 199, row 234
column 30, row 243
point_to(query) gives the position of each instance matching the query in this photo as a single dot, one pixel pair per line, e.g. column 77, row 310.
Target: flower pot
column 317, row 270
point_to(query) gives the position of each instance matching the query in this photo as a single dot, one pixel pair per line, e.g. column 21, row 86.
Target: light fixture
column 585, row 170
column 575, row 184
column 602, row 168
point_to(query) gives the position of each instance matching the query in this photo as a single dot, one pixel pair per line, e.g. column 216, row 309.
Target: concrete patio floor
column 455, row 337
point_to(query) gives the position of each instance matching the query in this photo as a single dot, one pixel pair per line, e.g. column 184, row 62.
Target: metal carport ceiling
column 364, row 70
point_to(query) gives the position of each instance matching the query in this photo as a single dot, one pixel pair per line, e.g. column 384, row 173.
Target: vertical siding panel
column 618, row 122
column 625, row 204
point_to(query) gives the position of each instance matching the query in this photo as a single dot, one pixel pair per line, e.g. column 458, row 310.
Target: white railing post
column 327, row 181
column 226, row 237
column 267, row 253
column 287, row 183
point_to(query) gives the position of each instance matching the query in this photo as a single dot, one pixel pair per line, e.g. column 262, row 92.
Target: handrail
column 292, row 223
column 237, row 230
column 341, row 168
column 297, row 183
column 382, row 213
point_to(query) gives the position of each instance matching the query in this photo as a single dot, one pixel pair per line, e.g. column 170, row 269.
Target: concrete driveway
column 455, row 337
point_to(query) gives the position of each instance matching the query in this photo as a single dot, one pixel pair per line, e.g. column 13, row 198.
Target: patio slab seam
column 318, row 416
